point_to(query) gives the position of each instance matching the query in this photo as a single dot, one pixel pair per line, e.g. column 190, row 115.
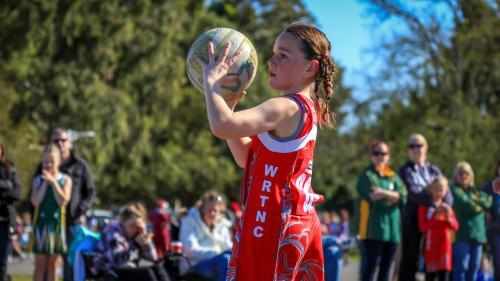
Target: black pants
column 5, row 244
column 155, row 272
column 410, row 251
column 438, row 275
column 68, row 269
column 373, row 253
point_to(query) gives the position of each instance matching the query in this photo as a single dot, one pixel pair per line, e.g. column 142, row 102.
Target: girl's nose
column 270, row 62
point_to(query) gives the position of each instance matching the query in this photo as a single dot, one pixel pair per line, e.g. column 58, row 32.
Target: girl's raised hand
column 215, row 70
column 47, row 176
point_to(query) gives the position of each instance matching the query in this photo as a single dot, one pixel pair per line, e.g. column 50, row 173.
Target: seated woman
column 122, row 245
column 206, row 237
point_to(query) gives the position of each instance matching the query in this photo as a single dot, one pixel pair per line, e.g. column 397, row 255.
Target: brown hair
column 376, row 143
column 316, row 46
column 134, row 210
column 3, row 160
column 209, row 197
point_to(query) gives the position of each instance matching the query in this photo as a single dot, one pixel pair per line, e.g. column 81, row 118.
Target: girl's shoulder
column 64, row 178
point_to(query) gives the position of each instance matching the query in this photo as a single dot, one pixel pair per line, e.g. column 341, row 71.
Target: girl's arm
column 37, row 191
column 239, row 148
column 224, row 123
column 62, row 194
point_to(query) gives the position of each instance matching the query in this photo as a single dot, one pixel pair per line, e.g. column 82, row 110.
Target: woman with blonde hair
column 206, row 237
column 469, row 206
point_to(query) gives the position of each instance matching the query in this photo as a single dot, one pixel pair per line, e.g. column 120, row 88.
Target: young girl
column 50, row 193
column 437, row 224
column 279, row 236
column 124, row 243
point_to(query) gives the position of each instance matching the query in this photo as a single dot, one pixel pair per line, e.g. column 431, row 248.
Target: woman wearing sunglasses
column 381, row 193
column 417, row 174
column 470, row 207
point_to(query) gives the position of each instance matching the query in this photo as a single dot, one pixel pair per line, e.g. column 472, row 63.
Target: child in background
column 50, row 193
column 437, row 224
column 485, row 272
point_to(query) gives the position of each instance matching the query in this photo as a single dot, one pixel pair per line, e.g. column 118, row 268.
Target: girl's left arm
column 62, row 194
column 239, row 148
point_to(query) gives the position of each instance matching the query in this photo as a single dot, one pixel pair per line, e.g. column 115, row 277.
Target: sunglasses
column 59, row 140
column 415, row 145
column 379, row 153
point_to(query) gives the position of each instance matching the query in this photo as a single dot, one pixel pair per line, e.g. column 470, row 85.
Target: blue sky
column 349, row 29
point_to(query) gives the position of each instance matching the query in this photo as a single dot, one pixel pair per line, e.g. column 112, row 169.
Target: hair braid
column 316, row 46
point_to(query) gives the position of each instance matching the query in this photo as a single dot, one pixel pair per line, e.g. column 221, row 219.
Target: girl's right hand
column 47, row 176
column 215, row 71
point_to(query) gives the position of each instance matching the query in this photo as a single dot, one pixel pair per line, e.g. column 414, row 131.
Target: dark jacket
column 494, row 218
column 83, row 190
column 416, row 180
column 10, row 192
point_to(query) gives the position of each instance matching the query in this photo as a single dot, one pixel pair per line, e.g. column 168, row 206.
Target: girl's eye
column 283, row 56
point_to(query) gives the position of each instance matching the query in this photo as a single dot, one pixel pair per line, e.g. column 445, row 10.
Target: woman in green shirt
column 469, row 206
column 381, row 192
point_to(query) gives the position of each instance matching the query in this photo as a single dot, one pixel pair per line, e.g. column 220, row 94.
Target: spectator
column 10, row 192
column 206, row 237
column 417, row 173
column 470, row 205
column 484, row 273
column 335, row 242
column 83, row 192
column 381, row 193
column 50, row 194
column 437, row 224
column 25, row 236
column 124, row 243
column 15, row 239
column 160, row 219
column 493, row 227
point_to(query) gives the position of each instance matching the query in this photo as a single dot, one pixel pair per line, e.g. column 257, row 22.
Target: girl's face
column 288, row 67
column 380, row 155
column 438, row 191
column 464, row 178
column 50, row 162
column 133, row 227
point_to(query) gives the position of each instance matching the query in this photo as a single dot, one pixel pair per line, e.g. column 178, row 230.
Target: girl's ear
column 312, row 69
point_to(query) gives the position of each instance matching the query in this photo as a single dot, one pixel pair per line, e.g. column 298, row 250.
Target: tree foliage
column 117, row 68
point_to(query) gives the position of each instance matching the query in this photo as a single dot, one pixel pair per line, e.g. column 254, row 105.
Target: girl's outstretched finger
column 211, row 58
column 234, row 58
column 225, row 52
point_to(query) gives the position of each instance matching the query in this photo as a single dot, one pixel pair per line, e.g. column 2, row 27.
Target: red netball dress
column 279, row 235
